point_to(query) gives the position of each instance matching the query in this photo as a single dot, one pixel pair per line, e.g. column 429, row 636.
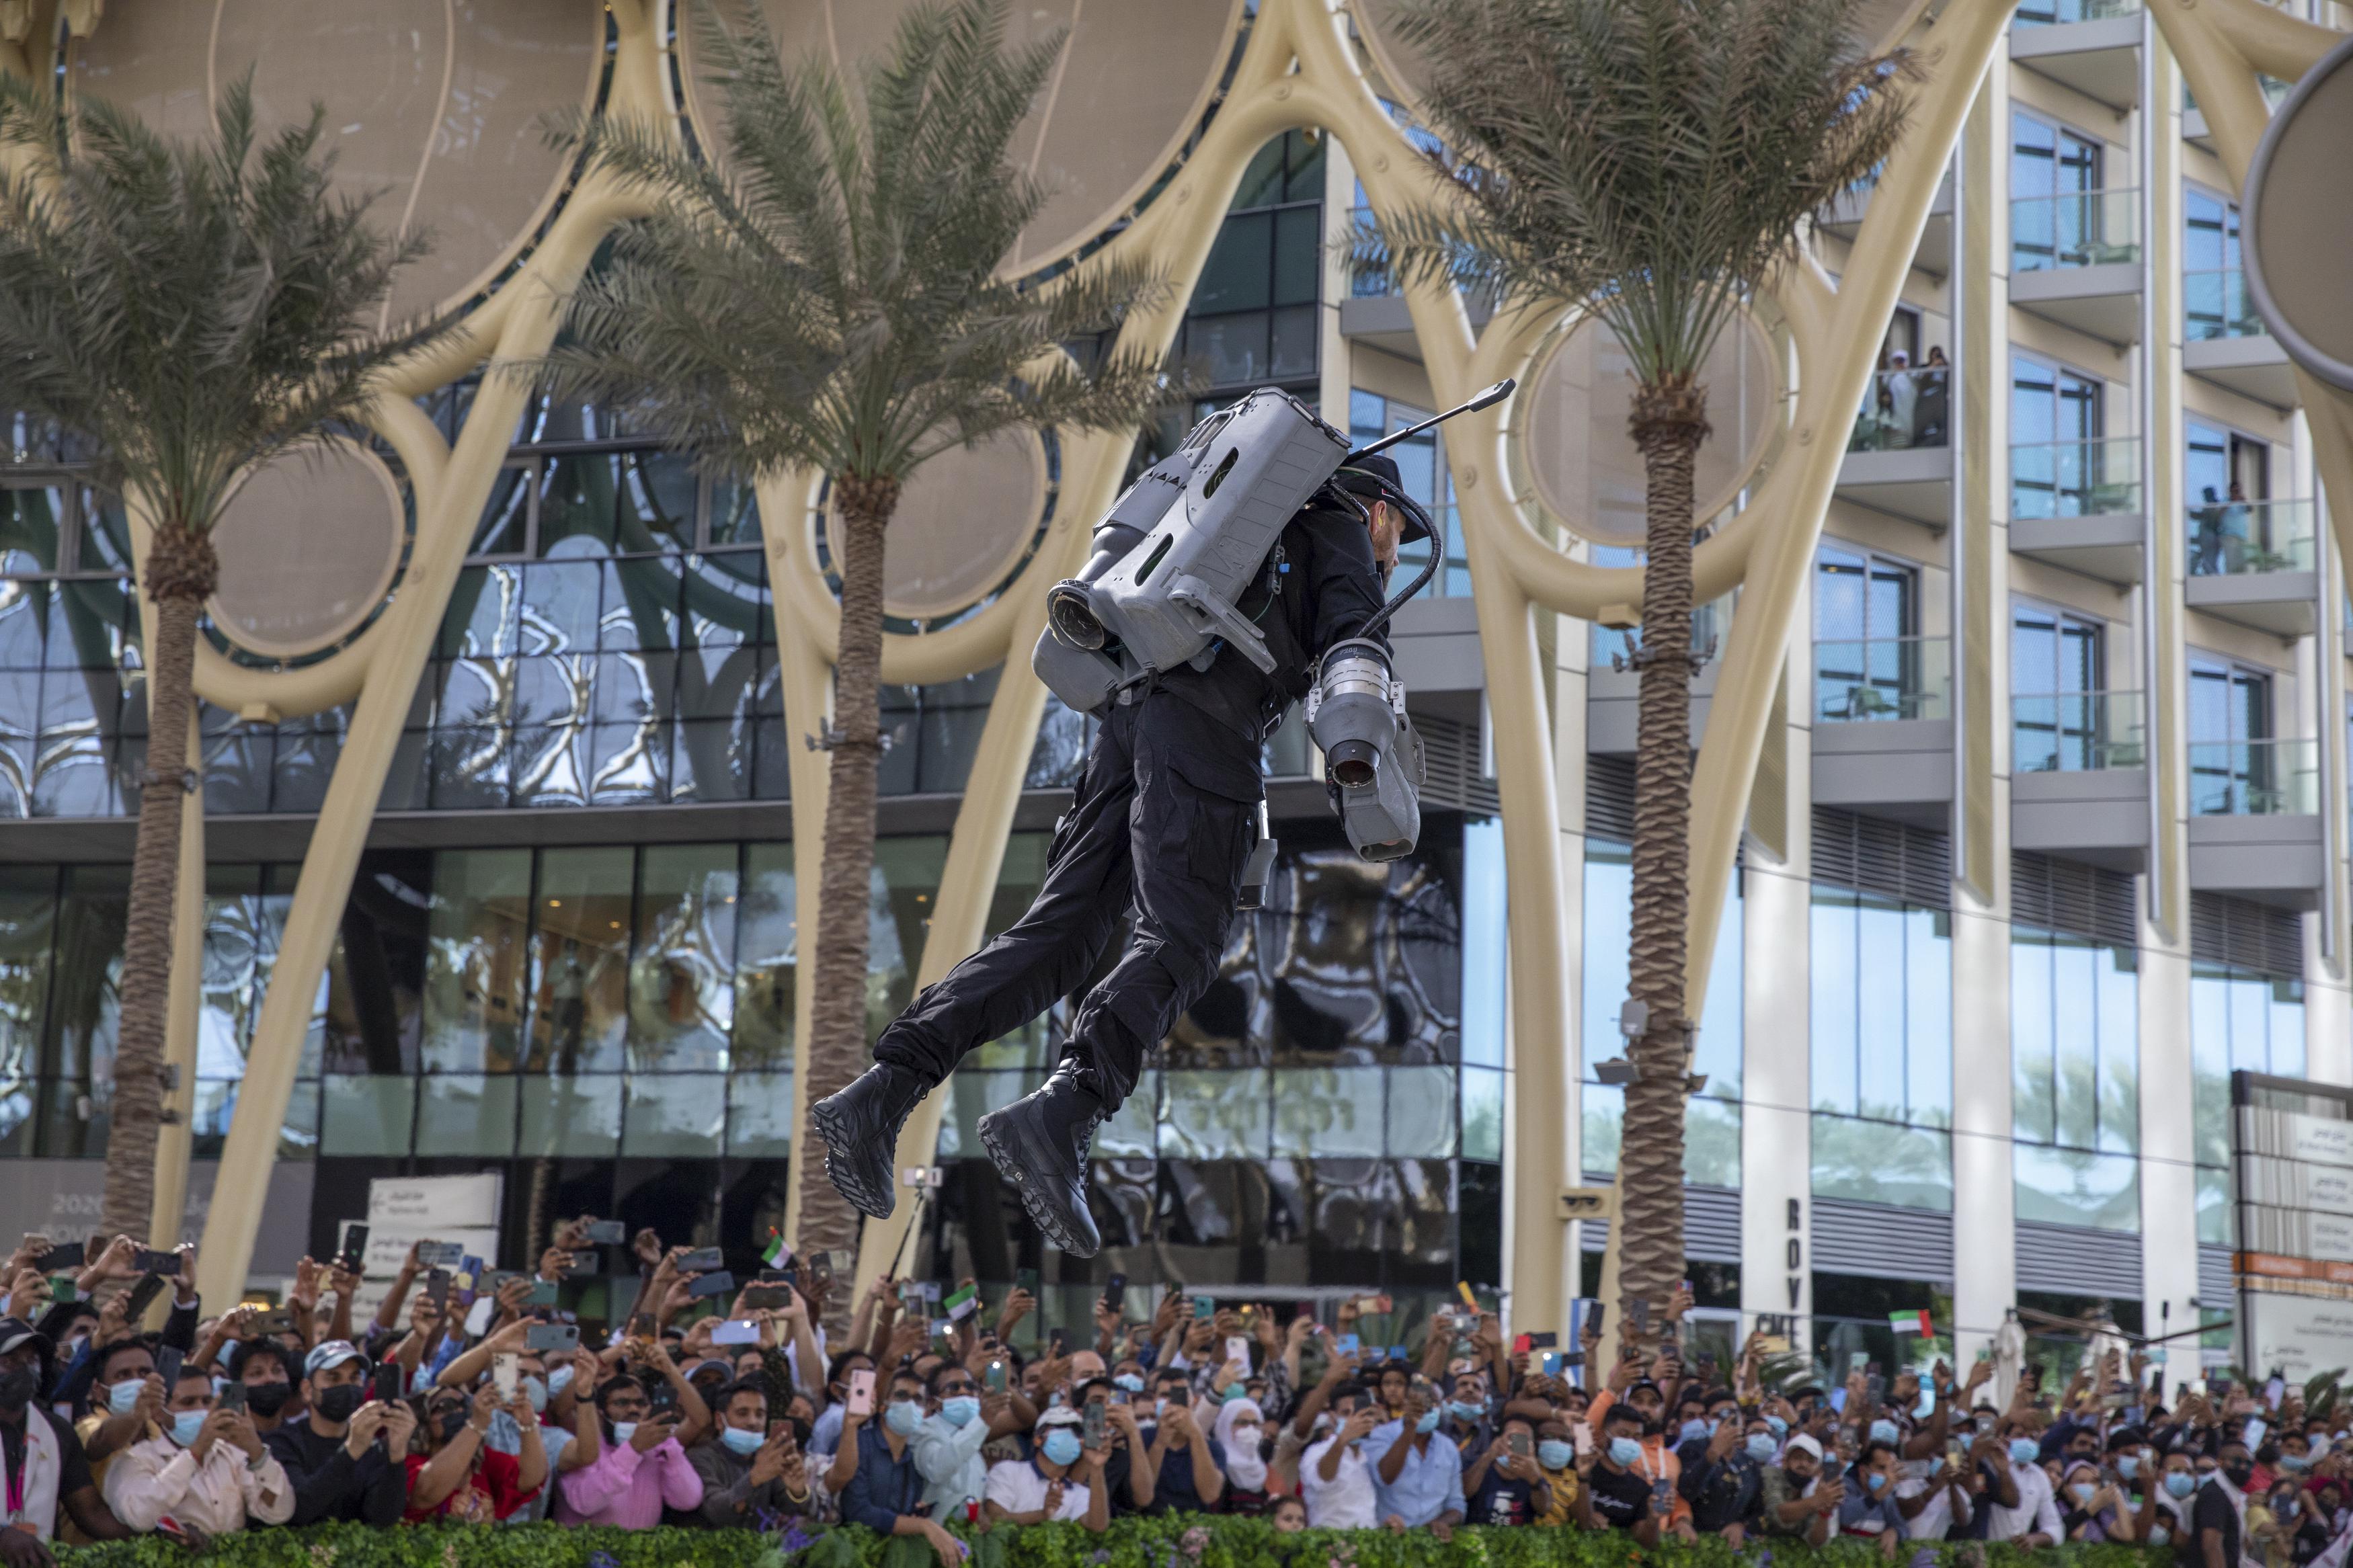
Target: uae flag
column 1911, row 1322
column 777, row 1252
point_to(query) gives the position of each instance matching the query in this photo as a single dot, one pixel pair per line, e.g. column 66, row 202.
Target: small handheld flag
column 777, row 1252
column 1911, row 1322
column 962, row 1305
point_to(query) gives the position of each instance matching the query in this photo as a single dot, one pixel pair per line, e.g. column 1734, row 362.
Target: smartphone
column 231, row 1397
column 1237, row 1349
column 736, row 1331
column 143, row 1296
column 2252, row 1436
column 488, row 1283
column 542, row 1294
column 2274, row 1389
column 356, row 1240
column 701, row 1260
column 442, row 1254
column 478, row 1316
column 1641, row 1315
column 277, row 1321
column 168, row 1359
column 1027, row 1280
column 553, row 1338
column 1520, row 1447
column 1858, row 1361
column 65, row 1254
column 766, row 1297
column 1346, row 1344
column 1596, row 1317
column 388, row 1379
column 1115, row 1291
column 705, row 1286
column 605, row 1233
column 1057, row 1344
column 1552, row 1364
column 820, row 1271
column 994, row 1379
column 506, row 1372
column 1092, row 1420
column 1874, row 1388
column 167, row 1264
column 862, row 1393
column 1203, row 1309
column 1663, row 1496
column 436, row 1289
column 1542, row 1340
column 583, row 1264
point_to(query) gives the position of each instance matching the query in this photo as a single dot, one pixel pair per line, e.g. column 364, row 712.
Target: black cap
column 1377, row 479
column 14, row 1334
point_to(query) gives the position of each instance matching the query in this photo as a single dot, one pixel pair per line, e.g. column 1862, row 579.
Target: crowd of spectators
column 478, row 1400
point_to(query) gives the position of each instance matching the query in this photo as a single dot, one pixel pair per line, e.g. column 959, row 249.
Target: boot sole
column 1013, row 1150
column 844, row 1171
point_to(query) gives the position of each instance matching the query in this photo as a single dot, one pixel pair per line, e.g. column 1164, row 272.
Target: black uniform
column 1164, row 817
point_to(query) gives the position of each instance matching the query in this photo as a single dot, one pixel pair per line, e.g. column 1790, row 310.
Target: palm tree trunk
column 837, row 1049
column 1669, row 423
column 181, row 574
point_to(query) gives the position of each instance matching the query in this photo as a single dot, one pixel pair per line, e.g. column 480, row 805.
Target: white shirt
column 1345, row 1502
column 1931, row 1522
column 156, row 1477
column 2035, row 1512
column 1018, row 1486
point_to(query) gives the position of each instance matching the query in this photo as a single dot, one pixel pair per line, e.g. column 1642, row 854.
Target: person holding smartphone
column 642, row 1467
column 343, row 1455
column 1505, row 1484
column 754, row 1473
column 884, row 1491
column 1054, row 1482
column 963, row 1418
column 209, row 1469
column 1416, row 1474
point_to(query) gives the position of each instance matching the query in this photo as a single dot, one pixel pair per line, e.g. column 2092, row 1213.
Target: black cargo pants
column 1164, row 815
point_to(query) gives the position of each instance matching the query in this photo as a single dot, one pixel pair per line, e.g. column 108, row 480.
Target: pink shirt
column 628, row 1489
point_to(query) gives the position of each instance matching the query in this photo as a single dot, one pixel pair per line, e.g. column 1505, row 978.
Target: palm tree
column 1648, row 163
column 193, row 308
column 825, row 298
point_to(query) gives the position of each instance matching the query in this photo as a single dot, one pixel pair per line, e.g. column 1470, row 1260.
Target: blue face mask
column 1875, row 1480
column 2158, row 1535
column 1762, row 1447
column 186, row 1423
column 1555, row 1455
column 1464, row 1411
column 1233, row 1391
column 2296, row 1464
column 2025, row 1450
column 1061, row 1446
column 505, row 1435
column 121, row 1397
column 1780, row 1428
column 1429, row 1421
column 2083, row 1491
column 558, row 1381
column 960, row 1409
column 1129, row 1382
column 2127, row 1465
column 1884, row 1432
column 2179, row 1483
column 1694, row 1431
column 1624, row 1450
column 740, row 1443
column 623, row 1431
column 904, row 1416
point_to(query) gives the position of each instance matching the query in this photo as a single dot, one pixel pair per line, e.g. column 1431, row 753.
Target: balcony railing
column 2079, row 228
column 1882, row 678
column 1905, row 409
column 2254, row 778
column 2214, row 304
column 2077, row 731
column 2094, row 476
column 2055, row 13
column 2248, row 537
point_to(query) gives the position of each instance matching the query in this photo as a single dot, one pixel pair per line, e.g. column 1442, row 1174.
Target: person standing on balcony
column 2208, row 563
column 1936, row 392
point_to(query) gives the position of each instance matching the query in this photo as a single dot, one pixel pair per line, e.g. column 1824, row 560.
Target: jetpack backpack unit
column 1174, row 555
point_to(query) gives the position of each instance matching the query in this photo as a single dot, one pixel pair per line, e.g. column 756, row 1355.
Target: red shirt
column 500, row 1479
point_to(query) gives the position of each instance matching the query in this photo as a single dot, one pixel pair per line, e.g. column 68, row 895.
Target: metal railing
column 1904, row 409
column 2056, row 13
column 2089, row 477
column 1881, row 679
column 2254, row 778
column 2215, row 304
column 2076, row 228
column 2077, row 731
column 2248, row 537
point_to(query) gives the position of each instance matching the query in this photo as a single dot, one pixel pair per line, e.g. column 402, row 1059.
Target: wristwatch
column 255, row 1461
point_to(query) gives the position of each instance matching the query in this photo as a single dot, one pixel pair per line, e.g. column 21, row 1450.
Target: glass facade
column 1252, row 320
column 1881, row 1033
column 2074, row 1045
column 2239, row 1018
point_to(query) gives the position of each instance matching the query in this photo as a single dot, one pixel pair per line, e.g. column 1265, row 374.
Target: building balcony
column 2193, row 119
column 1613, row 695
column 2077, row 504
column 2075, row 259
column 1898, row 460
column 2079, row 777
column 1844, row 216
column 2091, row 46
column 2255, row 822
column 2252, row 563
column 1883, row 728
column 2224, row 341
column 1383, row 321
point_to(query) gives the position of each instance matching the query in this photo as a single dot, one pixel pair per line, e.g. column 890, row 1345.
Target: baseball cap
column 334, row 1352
column 1803, row 1443
column 1377, row 479
column 1058, row 1415
column 16, row 1333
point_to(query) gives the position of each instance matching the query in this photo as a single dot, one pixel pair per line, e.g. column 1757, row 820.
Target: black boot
column 1039, row 1145
column 860, row 1128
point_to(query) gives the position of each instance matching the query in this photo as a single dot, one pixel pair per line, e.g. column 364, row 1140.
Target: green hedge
column 1165, row 1541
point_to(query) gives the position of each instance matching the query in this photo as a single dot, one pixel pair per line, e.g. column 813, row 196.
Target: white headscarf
column 1244, row 1466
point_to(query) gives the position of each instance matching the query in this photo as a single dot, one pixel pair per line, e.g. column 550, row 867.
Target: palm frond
column 1647, row 160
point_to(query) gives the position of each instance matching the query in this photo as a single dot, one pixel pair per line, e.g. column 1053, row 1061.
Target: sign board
column 61, row 1199
column 2300, row 1335
column 1588, row 1202
column 405, row 1210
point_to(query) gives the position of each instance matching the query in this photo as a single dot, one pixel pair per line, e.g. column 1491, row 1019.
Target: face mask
column 1761, row 1448
column 186, row 1423
column 624, row 1430
column 17, row 1388
column 121, row 1396
column 2288, row 1510
column 2158, row 1535
column 339, row 1402
column 961, row 1410
column 2022, row 1450
column 1128, row 1382
column 2239, row 1473
column 1461, row 1410
column 2179, row 1483
column 558, row 1381
column 740, row 1443
column 1884, row 1432
column 1061, row 1446
column 1624, row 1452
column 2127, row 1465
column 1555, row 1455
column 1781, row 1428
column 2083, row 1490
column 2294, row 1464
column 1159, row 1408
column 1427, row 1423
column 1693, row 1431
column 1875, row 1480
column 904, row 1416
column 535, row 1390
column 1246, row 1438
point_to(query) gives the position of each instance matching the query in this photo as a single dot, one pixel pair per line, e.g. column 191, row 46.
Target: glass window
column 580, row 955
column 765, row 956
column 476, row 943
column 1322, row 1110
column 1216, row 1115
column 2071, row 1187
column 1422, row 467
column 466, row 1113
column 759, row 1115
column 1253, row 314
column 1873, row 1161
column 572, row 1117
column 367, row 1114
column 674, row 1115
column 1880, row 1012
column 2239, row 1018
column 681, row 981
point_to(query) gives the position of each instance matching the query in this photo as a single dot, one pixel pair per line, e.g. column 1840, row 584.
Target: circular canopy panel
column 307, row 548
column 1132, row 82
column 963, row 522
column 434, row 103
column 1572, row 434
column 2299, row 221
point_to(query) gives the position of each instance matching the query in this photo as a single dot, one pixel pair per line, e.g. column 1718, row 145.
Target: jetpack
column 1178, row 550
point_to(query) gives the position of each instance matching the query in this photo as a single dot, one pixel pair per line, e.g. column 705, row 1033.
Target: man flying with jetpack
column 1242, row 573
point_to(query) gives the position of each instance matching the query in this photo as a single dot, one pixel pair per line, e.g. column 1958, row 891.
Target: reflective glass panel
column 475, row 956
column 580, row 954
column 681, row 981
